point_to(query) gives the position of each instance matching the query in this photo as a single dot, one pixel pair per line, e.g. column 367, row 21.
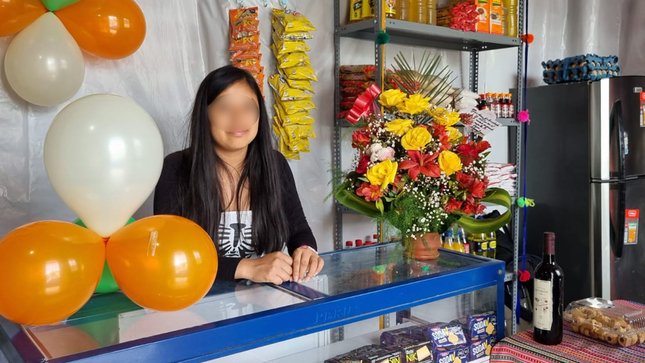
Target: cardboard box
column 496, row 17
column 483, row 21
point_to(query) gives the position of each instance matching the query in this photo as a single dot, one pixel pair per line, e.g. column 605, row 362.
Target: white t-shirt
column 235, row 235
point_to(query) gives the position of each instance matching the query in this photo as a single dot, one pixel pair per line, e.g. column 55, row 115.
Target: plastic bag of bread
column 618, row 323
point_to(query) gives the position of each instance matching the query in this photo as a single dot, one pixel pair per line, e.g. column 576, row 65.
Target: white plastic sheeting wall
column 188, row 38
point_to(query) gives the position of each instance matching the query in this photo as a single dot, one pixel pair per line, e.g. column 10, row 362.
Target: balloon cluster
column 103, row 155
column 45, row 54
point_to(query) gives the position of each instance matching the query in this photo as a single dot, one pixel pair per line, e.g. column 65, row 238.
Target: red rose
column 360, row 138
column 361, row 168
column 370, row 192
column 483, row 146
column 453, row 205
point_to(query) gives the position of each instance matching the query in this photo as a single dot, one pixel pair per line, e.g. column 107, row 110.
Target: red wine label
column 631, row 226
column 542, row 304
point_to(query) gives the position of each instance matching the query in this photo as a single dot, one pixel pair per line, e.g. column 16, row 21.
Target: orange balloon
column 163, row 262
column 17, row 14
column 110, row 29
column 48, row 271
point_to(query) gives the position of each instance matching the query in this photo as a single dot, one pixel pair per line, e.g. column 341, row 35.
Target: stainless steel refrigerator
column 586, row 172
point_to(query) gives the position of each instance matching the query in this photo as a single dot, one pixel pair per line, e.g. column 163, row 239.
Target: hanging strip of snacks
column 244, row 40
column 291, row 84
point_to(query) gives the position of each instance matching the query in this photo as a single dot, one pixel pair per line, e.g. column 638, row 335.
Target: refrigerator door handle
column 616, row 120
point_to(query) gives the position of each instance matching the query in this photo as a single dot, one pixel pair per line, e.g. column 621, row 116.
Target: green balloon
column 55, row 5
column 107, row 283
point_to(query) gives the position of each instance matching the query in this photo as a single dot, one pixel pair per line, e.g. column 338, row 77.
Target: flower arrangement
column 414, row 167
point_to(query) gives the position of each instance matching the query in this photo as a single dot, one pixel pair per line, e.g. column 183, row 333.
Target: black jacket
column 166, row 202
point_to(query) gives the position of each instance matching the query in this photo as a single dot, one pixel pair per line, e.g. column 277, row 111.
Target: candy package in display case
column 615, row 323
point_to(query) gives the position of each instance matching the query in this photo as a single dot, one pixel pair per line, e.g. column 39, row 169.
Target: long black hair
column 201, row 193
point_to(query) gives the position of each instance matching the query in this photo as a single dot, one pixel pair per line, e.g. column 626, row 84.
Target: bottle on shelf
column 510, row 18
column 483, row 104
column 390, row 8
column 413, row 10
column 461, row 240
column 451, row 240
column 349, row 244
column 368, row 240
column 375, row 238
column 478, row 244
column 505, row 102
column 431, row 12
column 548, row 302
column 495, row 106
column 492, row 245
column 359, row 243
column 511, row 106
column 402, row 7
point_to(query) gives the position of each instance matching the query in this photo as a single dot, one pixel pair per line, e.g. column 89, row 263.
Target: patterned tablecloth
column 521, row 348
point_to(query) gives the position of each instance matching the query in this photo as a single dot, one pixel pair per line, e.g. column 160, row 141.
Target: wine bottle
column 548, row 296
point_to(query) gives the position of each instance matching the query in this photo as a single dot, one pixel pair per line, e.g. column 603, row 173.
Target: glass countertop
column 368, row 267
column 111, row 319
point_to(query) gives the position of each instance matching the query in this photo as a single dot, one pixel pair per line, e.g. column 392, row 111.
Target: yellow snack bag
column 288, row 46
column 298, row 118
column 294, row 132
column 291, row 107
column 292, row 22
column 293, row 59
column 283, row 92
column 299, row 84
column 302, row 73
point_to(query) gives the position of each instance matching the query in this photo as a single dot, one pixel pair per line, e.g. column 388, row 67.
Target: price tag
column 631, row 226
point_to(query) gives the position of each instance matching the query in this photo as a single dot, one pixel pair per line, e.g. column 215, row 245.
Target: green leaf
column 379, row 206
column 494, row 196
column 425, row 78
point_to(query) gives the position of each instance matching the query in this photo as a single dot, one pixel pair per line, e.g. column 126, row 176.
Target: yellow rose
column 444, row 117
column 399, row 126
column 449, row 162
column 414, row 104
column 391, row 98
column 383, row 173
column 453, row 134
column 416, row 139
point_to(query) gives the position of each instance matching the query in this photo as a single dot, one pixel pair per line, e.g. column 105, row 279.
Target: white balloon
column 103, row 155
column 43, row 63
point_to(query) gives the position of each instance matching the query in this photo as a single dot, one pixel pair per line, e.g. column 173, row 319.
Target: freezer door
column 618, row 267
column 617, row 128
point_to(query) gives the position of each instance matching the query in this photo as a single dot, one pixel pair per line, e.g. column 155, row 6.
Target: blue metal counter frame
column 231, row 336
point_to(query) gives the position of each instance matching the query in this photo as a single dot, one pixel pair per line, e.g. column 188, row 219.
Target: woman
column 233, row 183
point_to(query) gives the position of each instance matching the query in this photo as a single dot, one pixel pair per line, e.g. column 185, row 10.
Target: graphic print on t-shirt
column 235, row 235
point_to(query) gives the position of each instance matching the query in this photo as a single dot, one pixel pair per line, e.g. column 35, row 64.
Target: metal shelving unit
column 414, row 34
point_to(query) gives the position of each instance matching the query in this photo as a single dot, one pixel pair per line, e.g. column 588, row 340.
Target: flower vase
column 424, row 247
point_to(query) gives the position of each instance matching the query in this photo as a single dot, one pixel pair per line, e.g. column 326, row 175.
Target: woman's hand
column 306, row 263
column 274, row 268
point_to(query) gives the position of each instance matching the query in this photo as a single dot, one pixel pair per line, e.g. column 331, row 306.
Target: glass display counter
column 358, row 286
